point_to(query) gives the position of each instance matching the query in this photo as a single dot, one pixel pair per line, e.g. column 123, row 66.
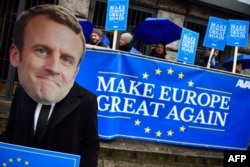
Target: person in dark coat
column 125, row 43
column 159, row 51
column 48, row 46
column 96, row 37
column 214, row 62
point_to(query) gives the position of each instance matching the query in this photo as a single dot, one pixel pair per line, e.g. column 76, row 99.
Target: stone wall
column 129, row 153
column 79, row 7
column 132, row 153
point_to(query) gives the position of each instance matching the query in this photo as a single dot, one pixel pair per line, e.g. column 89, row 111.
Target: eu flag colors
column 155, row 100
column 238, row 33
column 18, row 156
column 216, row 33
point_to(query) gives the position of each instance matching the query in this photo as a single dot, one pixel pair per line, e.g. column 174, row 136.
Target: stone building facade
column 178, row 11
column 130, row 153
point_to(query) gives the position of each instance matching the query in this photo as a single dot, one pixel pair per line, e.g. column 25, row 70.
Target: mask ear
column 14, row 55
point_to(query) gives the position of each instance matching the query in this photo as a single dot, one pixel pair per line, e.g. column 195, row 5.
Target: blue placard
column 188, row 46
column 117, row 14
column 18, row 156
column 238, row 33
column 216, row 33
column 144, row 98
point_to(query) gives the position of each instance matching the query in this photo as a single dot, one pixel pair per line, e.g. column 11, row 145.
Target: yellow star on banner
column 137, row 122
column 182, row 128
column 147, row 130
column 4, row 164
column 170, row 71
column 170, row 133
column 10, row 160
column 19, row 159
column 26, row 163
column 158, row 133
column 180, row 75
column 158, row 71
column 190, row 83
column 145, row 75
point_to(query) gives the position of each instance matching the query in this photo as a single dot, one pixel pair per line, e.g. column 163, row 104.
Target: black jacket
column 72, row 127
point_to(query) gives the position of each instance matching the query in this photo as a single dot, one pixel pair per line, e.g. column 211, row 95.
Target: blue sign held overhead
column 238, row 33
column 216, row 33
column 188, row 46
column 117, row 14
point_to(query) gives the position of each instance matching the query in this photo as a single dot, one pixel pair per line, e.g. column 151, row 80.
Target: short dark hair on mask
column 57, row 13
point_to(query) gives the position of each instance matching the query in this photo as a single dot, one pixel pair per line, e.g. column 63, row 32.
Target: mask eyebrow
column 42, row 46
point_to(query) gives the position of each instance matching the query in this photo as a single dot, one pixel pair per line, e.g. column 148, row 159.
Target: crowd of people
column 211, row 59
column 47, row 61
column 126, row 44
column 159, row 51
column 48, row 103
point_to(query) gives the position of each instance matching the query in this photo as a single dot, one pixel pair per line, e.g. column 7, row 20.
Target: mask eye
column 41, row 52
column 67, row 60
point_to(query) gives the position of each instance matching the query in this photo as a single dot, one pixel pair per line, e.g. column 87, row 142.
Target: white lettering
column 188, row 114
column 191, row 97
column 243, row 84
column 118, row 86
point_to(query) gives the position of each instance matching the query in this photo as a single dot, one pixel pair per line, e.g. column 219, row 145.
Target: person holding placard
column 49, row 109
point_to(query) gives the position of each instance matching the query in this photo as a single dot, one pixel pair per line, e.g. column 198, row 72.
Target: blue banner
column 18, row 156
column 148, row 99
column 188, row 46
column 238, row 33
column 216, row 33
column 117, row 15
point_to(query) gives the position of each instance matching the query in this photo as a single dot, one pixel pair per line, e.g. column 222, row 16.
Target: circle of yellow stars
column 12, row 160
column 170, row 132
column 170, row 71
column 159, row 133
